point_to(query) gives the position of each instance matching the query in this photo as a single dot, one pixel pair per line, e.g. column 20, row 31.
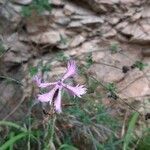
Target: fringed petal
column 47, row 97
column 75, row 91
column 37, row 79
column 71, row 70
column 44, row 85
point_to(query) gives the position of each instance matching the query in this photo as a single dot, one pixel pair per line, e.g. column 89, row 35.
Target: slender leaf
column 12, row 141
column 67, row 147
column 11, row 124
column 128, row 136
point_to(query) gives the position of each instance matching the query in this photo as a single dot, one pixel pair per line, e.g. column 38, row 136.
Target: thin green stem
column 53, row 128
column 11, row 79
column 50, row 135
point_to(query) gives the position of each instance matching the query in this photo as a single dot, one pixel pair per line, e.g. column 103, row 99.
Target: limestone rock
column 71, row 8
column 57, row 3
column 16, row 8
column 134, row 85
column 141, row 34
column 75, row 24
column 11, row 95
column 18, row 53
column 38, row 23
column 107, row 31
column 77, row 41
column 136, row 17
column 9, row 19
column 146, row 12
column 22, row 2
column 113, row 20
column 110, row 33
column 49, row 37
column 136, row 33
column 85, row 48
column 102, row 5
column 122, row 25
column 107, row 67
column 128, row 1
column 106, row 73
column 146, row 52
column 91, row 20
column 79, row 21
column 64, row 21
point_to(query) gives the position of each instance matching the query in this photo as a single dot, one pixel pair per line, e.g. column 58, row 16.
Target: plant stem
column 50, row 135
column 53, row 128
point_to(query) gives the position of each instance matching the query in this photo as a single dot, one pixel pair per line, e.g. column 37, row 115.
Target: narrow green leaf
column 67, row 147
column 12, row 141
column 128, row 136
column 11, row 124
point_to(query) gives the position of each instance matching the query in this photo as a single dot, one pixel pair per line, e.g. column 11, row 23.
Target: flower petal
column 71, row 70
column 38, row 80
column 44, row 85
column 57, row 102
column 47, row 97
column 75, row 91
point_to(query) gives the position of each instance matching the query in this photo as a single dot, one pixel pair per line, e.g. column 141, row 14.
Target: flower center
column 59, row 83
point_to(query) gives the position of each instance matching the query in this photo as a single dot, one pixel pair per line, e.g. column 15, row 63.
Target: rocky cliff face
column 116, row 33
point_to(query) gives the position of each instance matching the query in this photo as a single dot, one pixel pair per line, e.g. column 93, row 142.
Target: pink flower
column 54, row 95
